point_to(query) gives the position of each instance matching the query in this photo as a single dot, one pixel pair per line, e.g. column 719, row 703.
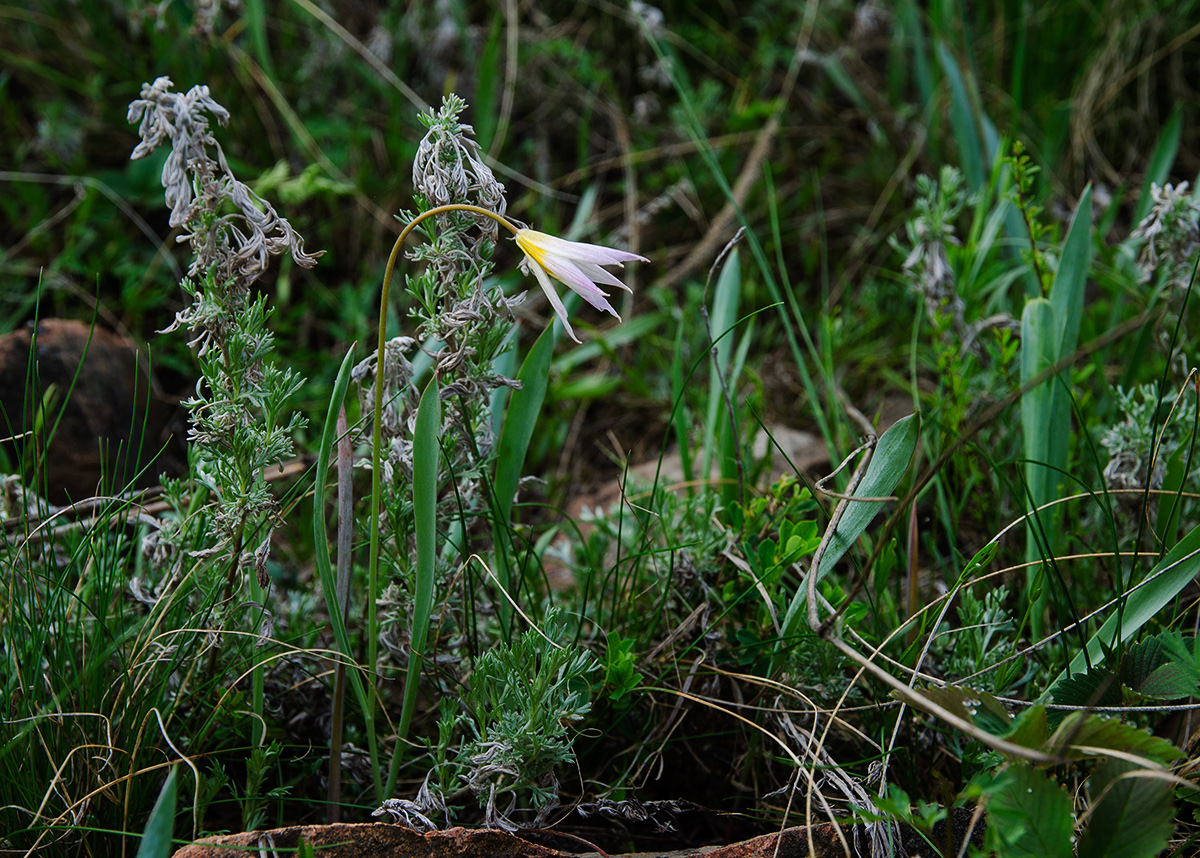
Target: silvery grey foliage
column 239, row 423
column 1172, row 233
column 454, row 303
column 929, row 233
column 449, row 168
column 521, row 701
column 1142, row 436
column 238, row 243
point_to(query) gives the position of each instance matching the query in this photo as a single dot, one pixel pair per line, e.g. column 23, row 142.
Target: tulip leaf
column 427, row 453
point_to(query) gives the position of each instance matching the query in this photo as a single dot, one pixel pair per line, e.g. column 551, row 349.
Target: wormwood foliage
column 523, row 701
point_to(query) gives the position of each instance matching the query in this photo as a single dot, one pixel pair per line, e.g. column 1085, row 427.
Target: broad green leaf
column 1165, row 581
column 1132, row 817
column 1169, row 682
column 427, row 454
column 1030, row 729
column 1046, row 428
column 156, row 838
column 892, row 455
column 1142, row 659
column 1096, row 687
column 1039, row 325
column 522, row 417
column 726, row 297
column 1031, row 816
column 1066, row 294
column 523, row 411
column 979, row 707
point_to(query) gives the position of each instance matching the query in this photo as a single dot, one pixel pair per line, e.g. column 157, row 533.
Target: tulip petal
column 568, row 272
column 559, row 310
column 576, row 264
column 581, row 251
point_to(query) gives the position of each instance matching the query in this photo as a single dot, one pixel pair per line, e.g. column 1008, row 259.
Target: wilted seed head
column 449, row 167
column 180, row 119
column 239, row 244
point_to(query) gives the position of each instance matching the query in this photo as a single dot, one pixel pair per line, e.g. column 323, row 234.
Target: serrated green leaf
column 979, row 707
column 1141, row 660
column 1095, row 687
column 1031, row 816
column 1171, row 681
column 1182, row 652
column 1089, row 730
column 1029, row 729
column 1132, row 817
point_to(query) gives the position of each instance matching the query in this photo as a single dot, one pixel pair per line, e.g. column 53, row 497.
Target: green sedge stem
column 376, row 451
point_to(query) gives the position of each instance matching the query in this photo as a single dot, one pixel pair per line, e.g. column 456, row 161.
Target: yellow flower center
column 532, row 250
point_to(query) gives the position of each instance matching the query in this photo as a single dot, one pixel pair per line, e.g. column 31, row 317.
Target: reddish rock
column 381, row 840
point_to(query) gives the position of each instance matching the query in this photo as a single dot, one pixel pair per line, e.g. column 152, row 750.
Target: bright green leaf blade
column 893, row 453
column 725, row 302
column 1031, row 816
column 1132, row 817
column 156, row 838
column 427, row 453
column 320, row 534
column 1039, row 326
column 1066, row 294
column 1164, row 583
column 1161, row 161
column 962, row 118
column 523, row 412
column 892, row 457
column 1029, row 729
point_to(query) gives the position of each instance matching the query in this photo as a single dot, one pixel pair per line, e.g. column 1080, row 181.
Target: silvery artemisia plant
column 460, row 316
column 239, row 424
column 1172, row 232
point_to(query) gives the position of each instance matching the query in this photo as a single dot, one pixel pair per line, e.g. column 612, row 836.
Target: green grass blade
column 427, row 453
column 1161, row 162
column 1165, row 581
column 156, row 837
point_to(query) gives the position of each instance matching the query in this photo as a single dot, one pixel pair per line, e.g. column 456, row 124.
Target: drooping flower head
column 574, row 263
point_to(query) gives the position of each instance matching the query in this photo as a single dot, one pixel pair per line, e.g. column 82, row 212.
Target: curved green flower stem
column 376, row 452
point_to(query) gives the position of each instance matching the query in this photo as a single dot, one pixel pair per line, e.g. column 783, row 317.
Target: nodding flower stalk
column 576, row 264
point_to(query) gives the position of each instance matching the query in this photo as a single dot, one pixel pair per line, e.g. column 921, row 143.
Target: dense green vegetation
column 954, row 247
